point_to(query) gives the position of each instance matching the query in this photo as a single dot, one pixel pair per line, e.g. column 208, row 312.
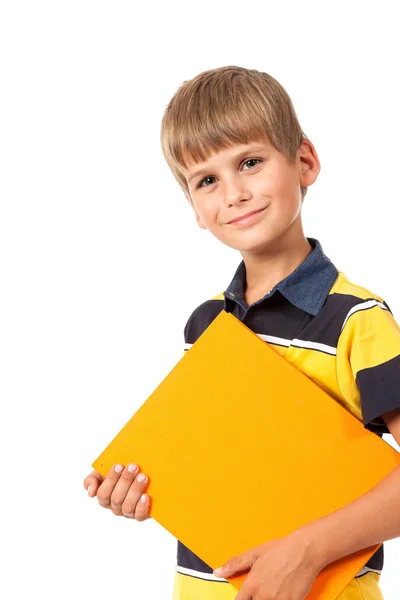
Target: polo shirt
column 341, row 335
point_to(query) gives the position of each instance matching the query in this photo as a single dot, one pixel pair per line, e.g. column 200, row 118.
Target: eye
column 200, row 184
column 249, row 160
column 257, row 160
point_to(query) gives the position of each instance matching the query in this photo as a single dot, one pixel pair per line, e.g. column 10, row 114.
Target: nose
column 235, row 190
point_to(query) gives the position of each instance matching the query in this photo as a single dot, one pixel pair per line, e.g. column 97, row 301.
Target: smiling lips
column 247, row 217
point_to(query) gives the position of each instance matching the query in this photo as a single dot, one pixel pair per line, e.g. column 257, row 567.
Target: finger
column 132, row 497
column 117, row 513
column 142, row 511
column 245, row 592
column 122, row 486
column 106, row 488
column 236, row 564
column 92, row 482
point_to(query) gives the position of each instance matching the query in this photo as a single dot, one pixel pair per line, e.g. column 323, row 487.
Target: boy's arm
column 368, row 358
column 293, row 562
column 369, row 520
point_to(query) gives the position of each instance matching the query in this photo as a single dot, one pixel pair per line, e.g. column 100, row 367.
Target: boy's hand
column 280, row 569
column 121, row 491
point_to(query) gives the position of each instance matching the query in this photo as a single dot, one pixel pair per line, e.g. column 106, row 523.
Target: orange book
column 241, row 448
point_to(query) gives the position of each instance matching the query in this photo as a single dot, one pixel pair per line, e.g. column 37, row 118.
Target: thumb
column 243, row 562
column 92, row 483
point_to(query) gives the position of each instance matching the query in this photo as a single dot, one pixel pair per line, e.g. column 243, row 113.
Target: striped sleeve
column 368, row 361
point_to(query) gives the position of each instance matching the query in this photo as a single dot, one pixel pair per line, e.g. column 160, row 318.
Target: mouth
column 247, row 218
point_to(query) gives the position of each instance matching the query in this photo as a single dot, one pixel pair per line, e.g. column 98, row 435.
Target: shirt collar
column 307, row 287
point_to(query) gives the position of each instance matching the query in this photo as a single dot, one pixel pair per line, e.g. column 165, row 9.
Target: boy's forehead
column 234, row 150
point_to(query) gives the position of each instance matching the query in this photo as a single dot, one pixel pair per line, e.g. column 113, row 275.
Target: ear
column 198, row 218
column 200, row 222
column 309, row 163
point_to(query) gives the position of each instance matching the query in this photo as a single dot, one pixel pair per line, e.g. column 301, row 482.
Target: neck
column 264, row 271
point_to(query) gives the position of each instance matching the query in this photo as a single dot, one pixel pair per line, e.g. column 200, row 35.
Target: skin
column 120, row 491
column 282, row 569
column 247, row 177
column 285, row 568
column 232, row 185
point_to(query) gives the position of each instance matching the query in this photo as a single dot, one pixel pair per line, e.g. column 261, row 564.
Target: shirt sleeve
column 368, row 361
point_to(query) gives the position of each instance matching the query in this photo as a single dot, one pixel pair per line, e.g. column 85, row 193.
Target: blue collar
column 307, row 287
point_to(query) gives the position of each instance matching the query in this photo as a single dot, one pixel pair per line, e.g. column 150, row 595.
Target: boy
column 233, row 142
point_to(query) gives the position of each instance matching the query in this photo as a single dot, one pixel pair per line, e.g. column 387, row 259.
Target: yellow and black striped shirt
column 341, row 335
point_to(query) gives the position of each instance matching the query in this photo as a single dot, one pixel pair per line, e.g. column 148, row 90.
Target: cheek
column 277, row 178
column 286, row 201
column 272, row 184
column 264, row 186
column 209, row 207
column 208, row 215
column 285, row 189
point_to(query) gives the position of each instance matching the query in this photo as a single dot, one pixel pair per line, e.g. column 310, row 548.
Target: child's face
column 246, row 178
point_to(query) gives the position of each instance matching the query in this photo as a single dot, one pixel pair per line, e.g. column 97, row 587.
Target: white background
column 101, row 259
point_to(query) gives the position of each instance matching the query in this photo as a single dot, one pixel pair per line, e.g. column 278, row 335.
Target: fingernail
column 127, row 514
column 132, row 468
column 140, row 478
column 118, row 468
column 88, row 490
column 143, row 498
column 218, row 571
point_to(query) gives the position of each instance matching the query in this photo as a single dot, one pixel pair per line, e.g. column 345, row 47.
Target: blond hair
column 224, row 106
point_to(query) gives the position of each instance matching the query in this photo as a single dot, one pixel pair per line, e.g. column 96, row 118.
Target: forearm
column 369, row 520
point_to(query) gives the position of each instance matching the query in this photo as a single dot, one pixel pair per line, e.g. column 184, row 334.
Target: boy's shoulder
column 346, row 299
column 209, row 305
column 365, row 310
column 203, row 315
column 218, row 296
column 351, row 293
column 344, row 286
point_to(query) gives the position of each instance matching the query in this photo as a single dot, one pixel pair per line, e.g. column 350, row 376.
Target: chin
column 258, row 244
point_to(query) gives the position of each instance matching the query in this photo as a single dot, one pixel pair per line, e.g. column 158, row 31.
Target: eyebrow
column 249, row 150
